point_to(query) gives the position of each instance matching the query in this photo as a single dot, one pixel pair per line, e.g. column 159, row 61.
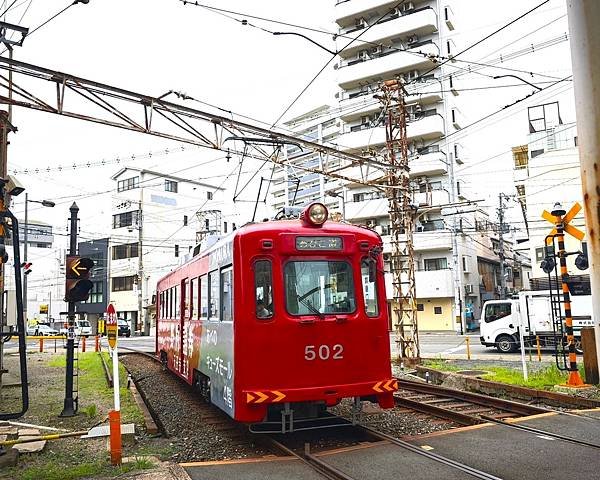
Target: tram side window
column 263, row 288
column 226, row 295
column 176, row 306
column 368, row 272
column 203, row 297
column 169, row 304
column 162, row 305
column 213, row 295
column 194, row 296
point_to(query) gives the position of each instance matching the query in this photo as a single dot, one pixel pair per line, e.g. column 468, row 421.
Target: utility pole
column 25, row 237
column 456, row 262
column 70, row 404
column 402, row 219
column 145, row 324
column 501, row 253
column 584, row 18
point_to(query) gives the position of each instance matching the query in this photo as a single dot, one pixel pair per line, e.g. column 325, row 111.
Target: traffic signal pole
column 584, row 18
column 70, row 404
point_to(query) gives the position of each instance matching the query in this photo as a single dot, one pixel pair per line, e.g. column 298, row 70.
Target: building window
column 128, row 184
column 420, row 307
column 224, row 227
column 435, row 264
column 209, row 195
column 464, row 264
column 126, row 219
column 127, row 250
column 437, row 310
column 96, row 295
column 170, row 186
column 122, row 284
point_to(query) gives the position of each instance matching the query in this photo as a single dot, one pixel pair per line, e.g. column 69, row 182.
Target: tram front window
column 319, row 288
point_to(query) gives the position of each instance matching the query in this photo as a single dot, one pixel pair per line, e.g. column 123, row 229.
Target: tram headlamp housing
column 315, row 214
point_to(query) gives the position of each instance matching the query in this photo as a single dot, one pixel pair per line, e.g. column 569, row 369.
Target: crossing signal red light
column 26, row 266
column 78, row 285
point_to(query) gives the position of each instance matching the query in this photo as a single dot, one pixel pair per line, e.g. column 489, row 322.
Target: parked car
column 83, row 328
column 41, row 330
column 124, row 329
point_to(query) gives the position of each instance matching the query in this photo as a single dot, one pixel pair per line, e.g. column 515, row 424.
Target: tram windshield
column 319, row 287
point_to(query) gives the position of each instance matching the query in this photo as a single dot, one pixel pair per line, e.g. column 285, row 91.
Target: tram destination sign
column 319, row 243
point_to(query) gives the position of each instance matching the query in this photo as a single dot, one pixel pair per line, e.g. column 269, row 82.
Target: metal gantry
column 402, row 220
column 88, row 100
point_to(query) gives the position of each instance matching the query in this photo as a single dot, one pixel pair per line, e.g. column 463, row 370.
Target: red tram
column 280, row 319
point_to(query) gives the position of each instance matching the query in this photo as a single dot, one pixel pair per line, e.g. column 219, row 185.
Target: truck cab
column 499, row 323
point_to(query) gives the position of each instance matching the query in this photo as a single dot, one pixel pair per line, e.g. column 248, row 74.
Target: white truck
column 502, row 320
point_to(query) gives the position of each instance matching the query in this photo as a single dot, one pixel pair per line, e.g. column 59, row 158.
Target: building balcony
column 434, row 284
column 387, row 66
column 429, row 284
column 428, row 128
column 422, row 22
column 363, row 104
column 434, row 240
column 355, row 211
column 347, row 11
column 424, row 241
column 431, row 199
column 428, row 164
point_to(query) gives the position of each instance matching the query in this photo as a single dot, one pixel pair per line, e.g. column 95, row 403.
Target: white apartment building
column 153, row 214
column 293, row 186
column 547, row 171
column 407, row 43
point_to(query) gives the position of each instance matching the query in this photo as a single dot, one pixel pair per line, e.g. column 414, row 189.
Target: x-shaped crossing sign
column 570, row 229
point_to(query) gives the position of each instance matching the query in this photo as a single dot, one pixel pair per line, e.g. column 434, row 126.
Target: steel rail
column 433, row 456
column 476, row 398
column 537, row 431
column 441, row 412
column 323, row 468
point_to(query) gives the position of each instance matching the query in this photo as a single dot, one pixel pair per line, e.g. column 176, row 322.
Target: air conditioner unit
column 469, row 289
column 412, row 40
column 407, row 7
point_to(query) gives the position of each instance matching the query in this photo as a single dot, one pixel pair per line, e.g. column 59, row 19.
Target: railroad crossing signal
column 78, row 285
column 570, row 229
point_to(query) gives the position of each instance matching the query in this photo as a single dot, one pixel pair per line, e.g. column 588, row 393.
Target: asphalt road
column 433, row 345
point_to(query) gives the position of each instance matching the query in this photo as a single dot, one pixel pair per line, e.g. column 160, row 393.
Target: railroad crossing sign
column 570, row 229
column 111, row 326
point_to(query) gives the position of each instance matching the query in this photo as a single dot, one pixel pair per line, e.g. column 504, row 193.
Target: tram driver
column 261, row 310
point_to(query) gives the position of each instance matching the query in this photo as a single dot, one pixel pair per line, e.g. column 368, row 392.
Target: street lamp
column 44, row 203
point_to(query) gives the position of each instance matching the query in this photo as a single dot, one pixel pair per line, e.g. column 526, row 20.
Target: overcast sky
column 152, row 46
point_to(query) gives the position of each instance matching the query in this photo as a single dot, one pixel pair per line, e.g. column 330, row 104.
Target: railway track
column 458, row 406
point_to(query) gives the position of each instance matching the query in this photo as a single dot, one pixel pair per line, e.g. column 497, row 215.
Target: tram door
column 183, row 323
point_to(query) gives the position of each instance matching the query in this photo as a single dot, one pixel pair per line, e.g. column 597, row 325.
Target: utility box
column 590, row 355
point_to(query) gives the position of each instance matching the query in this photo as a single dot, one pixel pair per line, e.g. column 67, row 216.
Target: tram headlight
column 317, row 214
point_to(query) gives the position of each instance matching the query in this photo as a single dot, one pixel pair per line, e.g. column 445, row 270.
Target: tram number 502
column 324, row 352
